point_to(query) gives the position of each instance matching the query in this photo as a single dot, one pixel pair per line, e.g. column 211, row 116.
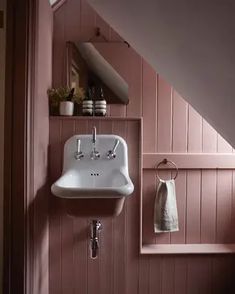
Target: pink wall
column 39, row 205
column 169, row 125
column 71, row 268
column 189, row 44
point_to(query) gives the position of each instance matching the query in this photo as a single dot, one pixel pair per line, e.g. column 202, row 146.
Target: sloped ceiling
column 190, row 43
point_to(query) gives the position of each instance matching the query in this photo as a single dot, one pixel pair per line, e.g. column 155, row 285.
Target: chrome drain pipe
column 96, row 227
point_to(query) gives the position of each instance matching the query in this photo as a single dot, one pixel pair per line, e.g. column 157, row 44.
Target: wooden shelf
column 92, row 118
column 187, row 249
column 191, row 161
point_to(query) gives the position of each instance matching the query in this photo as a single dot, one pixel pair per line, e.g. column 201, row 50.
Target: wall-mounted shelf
column 205, row 190
column 188, row 249
column 93, row 118
column 191, row 161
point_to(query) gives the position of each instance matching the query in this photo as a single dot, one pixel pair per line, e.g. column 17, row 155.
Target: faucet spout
column 94, row 154
column 94, row 135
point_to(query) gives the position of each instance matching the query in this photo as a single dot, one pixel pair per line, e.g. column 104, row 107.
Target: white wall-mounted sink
column 99, row 176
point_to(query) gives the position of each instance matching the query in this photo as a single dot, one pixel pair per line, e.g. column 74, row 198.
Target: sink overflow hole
column 95, row 174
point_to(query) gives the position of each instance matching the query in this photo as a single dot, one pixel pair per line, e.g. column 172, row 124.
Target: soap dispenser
column 87, row 104
column 100, row 104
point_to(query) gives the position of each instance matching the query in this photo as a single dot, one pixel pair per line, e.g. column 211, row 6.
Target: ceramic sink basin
column 87, row 177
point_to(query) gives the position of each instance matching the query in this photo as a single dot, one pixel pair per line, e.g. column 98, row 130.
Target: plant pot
column 66, row 108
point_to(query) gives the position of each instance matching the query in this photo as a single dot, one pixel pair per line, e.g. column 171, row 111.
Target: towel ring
column 165, row 161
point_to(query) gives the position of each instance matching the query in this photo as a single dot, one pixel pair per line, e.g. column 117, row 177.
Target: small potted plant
column 63, row 99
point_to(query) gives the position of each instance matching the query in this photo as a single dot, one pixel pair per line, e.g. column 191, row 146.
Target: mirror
column 97, row 64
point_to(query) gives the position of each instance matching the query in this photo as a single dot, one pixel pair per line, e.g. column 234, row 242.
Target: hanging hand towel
column 165, row 209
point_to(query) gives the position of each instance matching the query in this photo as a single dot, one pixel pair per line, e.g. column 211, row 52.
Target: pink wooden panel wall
column 39, row 230
column 205, row 198
column 71, row 269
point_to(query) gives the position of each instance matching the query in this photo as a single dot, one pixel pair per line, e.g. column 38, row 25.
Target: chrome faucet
column 94, row 153
column 78, row 154
column 111, row 154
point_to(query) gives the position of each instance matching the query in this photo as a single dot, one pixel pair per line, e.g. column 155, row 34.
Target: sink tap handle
column 78, row 145
column 78, row 153
column 115, row 145
column 112, row 153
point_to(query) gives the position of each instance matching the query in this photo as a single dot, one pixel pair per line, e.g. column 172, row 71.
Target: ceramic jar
column 66, row 108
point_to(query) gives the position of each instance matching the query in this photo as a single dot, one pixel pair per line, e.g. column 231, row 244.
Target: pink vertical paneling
column 93, row 284
column 193, row 207
column 164, row 117
column 55, row 165
column 68, row 129
column 73, row 14
column 179, row 145
column 199, row 275
column 59, row 47
column 155, row 277
column 81, row 238
column 105, row 29
column 164, row 132
column 149, row 108
column 224, row 203
column 181, row 271
column 93, row 123
column 144, row 271
column 118, row 60
column 194, row 131
column 209, row 138
column 132, row 211
column 106, row 238
column 88, row 17
column 93, row 265
column 193, row 212
column 232, row 234
column 134, row 108
column 223, row 146
column 120, row 232
column 117, row 110
column 180, row 186
column 167, row 275
column 149, row 192
column 224, row 197
column 208, row 188
column 180, row 124
column 208, row 207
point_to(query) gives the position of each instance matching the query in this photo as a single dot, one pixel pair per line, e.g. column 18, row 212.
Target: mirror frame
column 71, row 64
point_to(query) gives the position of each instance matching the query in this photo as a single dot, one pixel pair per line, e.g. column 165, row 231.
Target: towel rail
column 166, row 161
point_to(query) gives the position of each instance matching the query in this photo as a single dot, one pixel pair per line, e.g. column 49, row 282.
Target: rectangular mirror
column 97, row 64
